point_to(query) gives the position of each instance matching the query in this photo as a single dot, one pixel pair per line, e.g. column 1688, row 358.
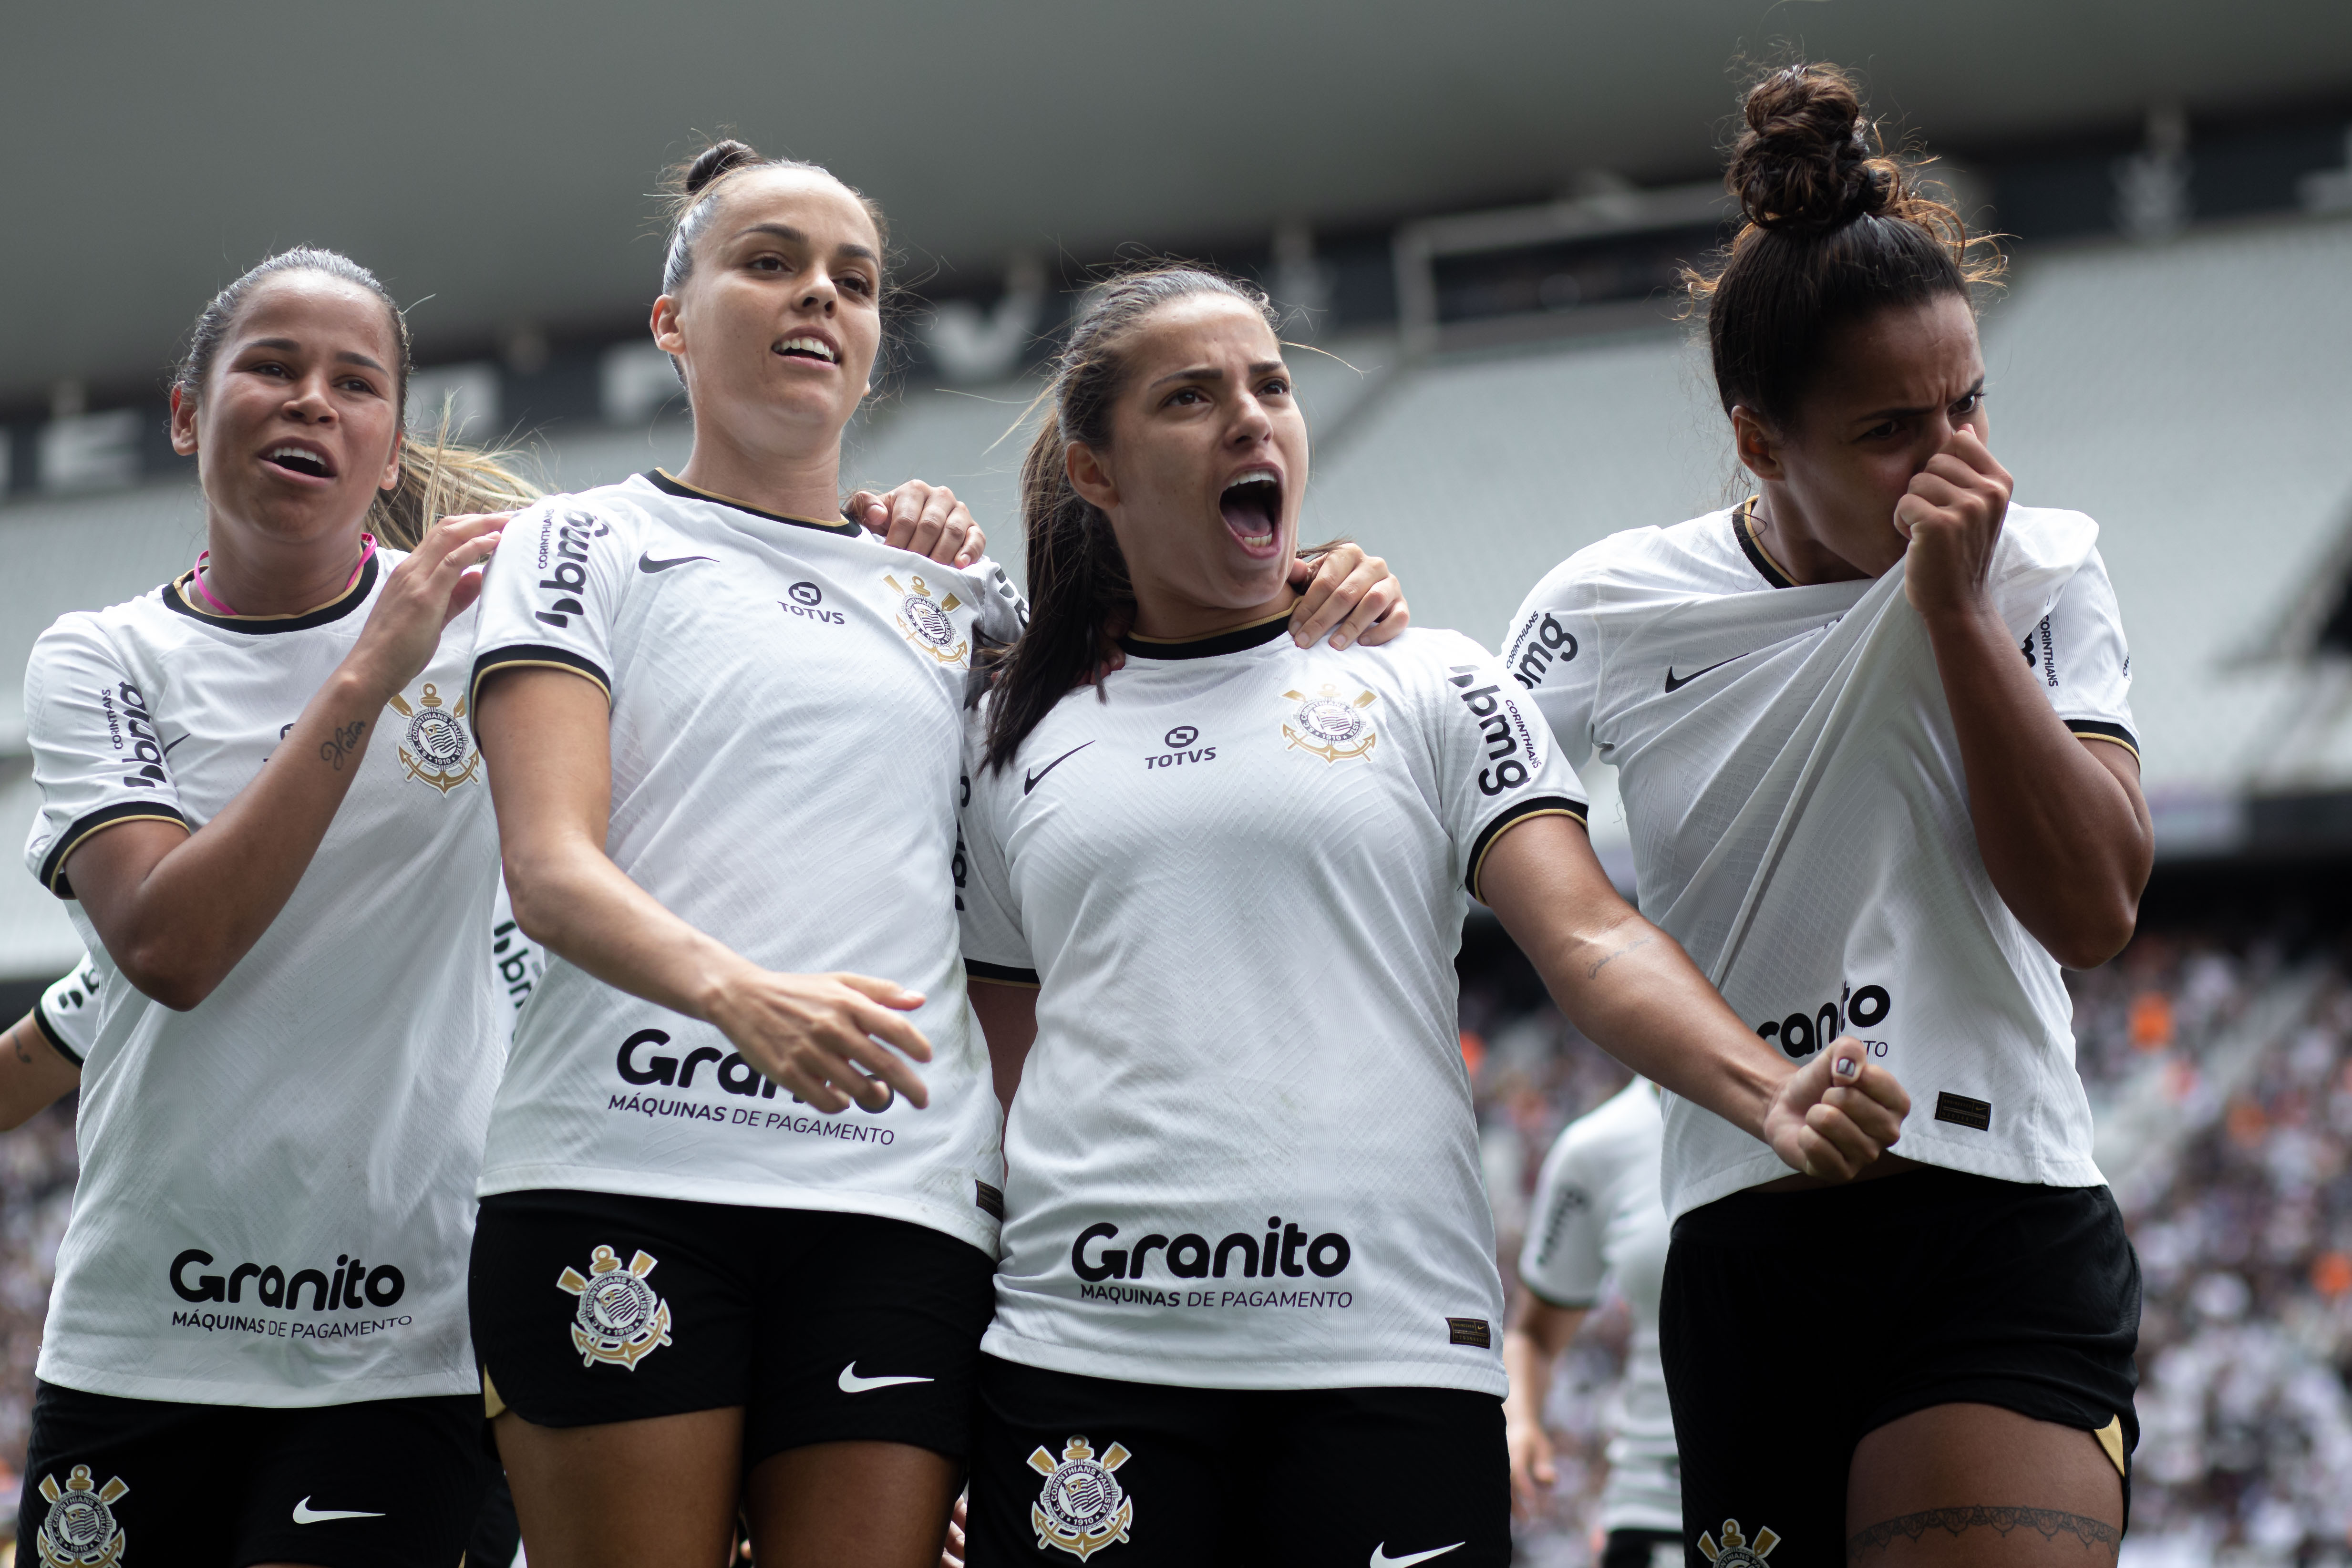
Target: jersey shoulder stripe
column 1540, row 805
column 2100, row 729
column 525, row 655
column 52, row 1033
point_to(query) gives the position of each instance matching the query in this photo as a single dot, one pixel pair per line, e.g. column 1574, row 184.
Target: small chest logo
column 80, row 1532
column 620, row 1320
column 1081, row 1508
column 924, row 621
column 437, row 749
column 1736, row 1551
column 1332, row 727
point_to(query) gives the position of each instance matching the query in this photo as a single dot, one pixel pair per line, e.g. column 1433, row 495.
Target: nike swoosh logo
column 1674, row 685
column 1381, row 1558
column 305, row 1514
column 1030, row 781
column 647, row 564
column 853, row 1383
column 167, row 750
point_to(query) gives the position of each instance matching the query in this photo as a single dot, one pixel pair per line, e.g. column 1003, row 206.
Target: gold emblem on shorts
column 437, row 749
column 620, row 1319
column 80, row 1532
column 1082, row 1507
column 924, row 621
column 1331, row 727
column 1735, row 1552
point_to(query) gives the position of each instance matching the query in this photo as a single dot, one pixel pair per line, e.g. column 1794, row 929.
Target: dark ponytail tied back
column 1834, row 228
column 1079, row 597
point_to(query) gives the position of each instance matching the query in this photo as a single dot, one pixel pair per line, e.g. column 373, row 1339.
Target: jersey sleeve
column 1003, row 613
column 1561, row 1260
column 551, row 594
column 1552, row 652
column 1495, row 765
column 994, row 945
column 2078, row 654
column 67, row 1014
column 96, row 759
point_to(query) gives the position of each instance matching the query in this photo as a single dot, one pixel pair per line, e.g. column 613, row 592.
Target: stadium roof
column 495, row 157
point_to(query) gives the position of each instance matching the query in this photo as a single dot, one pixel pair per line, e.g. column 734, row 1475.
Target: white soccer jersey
column 276, row 1198
column 516, row 962
column 1243, row 1154
column 1800, row 820
column 1597, row 1217
column 67, row 1014
column 786, row 701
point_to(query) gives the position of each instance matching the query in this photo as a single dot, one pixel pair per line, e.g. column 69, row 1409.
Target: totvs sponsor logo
column 130, row 722
column 1283, row 1250
column 345, row 1287
column 1538, row 648
column 1801, row 1034
column 807, row 601
column 567, row 533
column 1181, row 749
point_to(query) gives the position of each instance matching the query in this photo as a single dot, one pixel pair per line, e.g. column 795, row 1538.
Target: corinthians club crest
column 437, row 749
column 1331, row 726
column 1082, row 1507
column 80, row 1532
column 924, row 621
column 620, row 1319
column 1736, row 1551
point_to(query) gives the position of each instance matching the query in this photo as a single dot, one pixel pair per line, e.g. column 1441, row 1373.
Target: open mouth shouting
column 1252, row 505
column 810, row 346
column 302, row 458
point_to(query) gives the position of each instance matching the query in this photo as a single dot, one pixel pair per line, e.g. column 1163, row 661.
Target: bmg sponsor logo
column 1510, row 747
column 1284, row 1250
column 1538, row 648
column 131, row 729
column 568, row 532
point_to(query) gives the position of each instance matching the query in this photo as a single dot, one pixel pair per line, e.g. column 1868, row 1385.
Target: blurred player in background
column 1597, row 1219
column 1870, row 817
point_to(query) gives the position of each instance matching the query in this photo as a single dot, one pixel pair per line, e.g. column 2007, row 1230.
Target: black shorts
column 383, row 1484
column 1958, row 1288
column 1064, row 1467
column 1640, row 1548
column 594, row 1307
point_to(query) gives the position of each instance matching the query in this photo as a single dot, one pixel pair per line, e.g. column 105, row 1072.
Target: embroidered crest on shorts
column 1736, row 1551
column 1082, row 1507
column 437, row 749
column 620, row 1319
column 80, row 1532
column 924, row 621
column 1331, row 726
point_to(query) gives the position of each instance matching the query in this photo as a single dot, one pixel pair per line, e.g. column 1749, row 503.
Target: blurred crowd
column 2244, row 1236
column 2244, row 1232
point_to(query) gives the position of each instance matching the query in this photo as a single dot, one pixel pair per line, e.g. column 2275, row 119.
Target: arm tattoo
column 16, row 1038
column 1633, row 946
column 2096, row 1536
column 344, row 741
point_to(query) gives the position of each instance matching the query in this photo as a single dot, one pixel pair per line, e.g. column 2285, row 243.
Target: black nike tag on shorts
column 1030, row 781
column 647, row 564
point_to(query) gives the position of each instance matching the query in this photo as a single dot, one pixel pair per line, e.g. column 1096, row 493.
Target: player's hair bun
column 714, row 161
column 1808, row 160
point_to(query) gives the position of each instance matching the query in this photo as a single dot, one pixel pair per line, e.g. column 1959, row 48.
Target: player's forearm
column 176, row 923
column 33, row 1076
column 2067, row 843
column 571, row 899
column 1530, row 1373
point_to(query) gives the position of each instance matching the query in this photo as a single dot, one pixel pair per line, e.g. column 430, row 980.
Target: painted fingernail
column 1848, row 1068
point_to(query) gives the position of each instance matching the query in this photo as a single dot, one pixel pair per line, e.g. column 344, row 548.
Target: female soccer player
column 256, row 1347
column 1874, row 739
column 723, row 730
column 1248, row 1302
column 1597, row 1218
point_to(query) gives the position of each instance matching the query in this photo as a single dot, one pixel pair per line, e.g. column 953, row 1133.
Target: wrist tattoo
column 16, row 1038
column 2096, row 1536
column 342, row 742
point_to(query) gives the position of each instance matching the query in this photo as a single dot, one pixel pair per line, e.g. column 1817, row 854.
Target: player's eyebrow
column 1874, row 414
column 1211, row 373
column 288, row 345
column 791, row 236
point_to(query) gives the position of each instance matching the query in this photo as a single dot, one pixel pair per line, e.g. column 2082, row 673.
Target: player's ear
column 1088, row 476
column 668, row 336
column 391, row 479
column 1758, row 448
column 183, row 423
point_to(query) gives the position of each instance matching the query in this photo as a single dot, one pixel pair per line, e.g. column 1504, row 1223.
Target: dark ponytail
column 1834, row 229
column 1079, row 597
